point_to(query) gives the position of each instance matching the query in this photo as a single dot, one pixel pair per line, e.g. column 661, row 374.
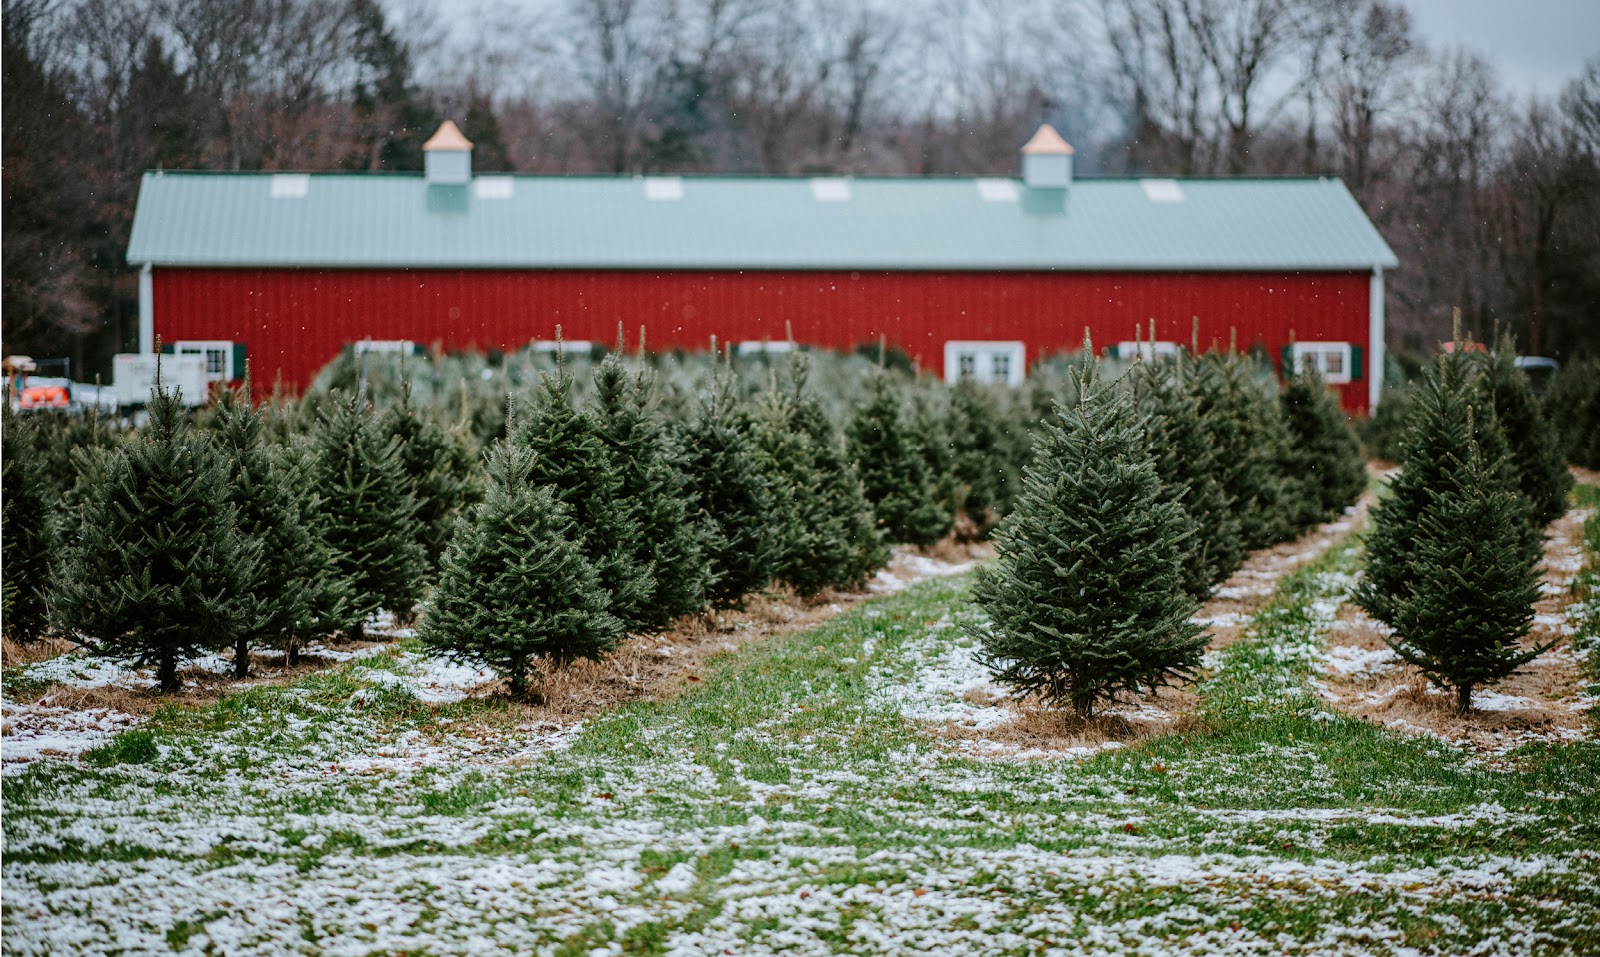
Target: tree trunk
column 241, row 658
column 358, row 632
column 167, row 672
column 1463, row 699
column 519, row 676
column 291, row 652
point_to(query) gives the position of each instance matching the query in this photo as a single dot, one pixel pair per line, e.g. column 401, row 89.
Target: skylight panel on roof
column 993, row 190
column 663, row 188
column 830, row 189
column 290, row 185
column 493, row 187
column 1162, row 190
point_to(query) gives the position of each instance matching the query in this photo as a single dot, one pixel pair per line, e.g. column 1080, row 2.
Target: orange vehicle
column 44, row 397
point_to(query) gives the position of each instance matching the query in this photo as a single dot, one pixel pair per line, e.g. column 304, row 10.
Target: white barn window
column 218, row 356
column 1331, row 359
column 998, row 362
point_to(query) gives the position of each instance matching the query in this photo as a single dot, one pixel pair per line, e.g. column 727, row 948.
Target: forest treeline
column 1491, row 200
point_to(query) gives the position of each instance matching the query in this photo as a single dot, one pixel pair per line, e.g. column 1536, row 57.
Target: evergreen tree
column 158, row 569
column 1247, row 431
column 1536, row 452
column 1187, row 463
column 27, row 530
column 893, row 471
column 370, row 521
column 823, row 529
column 264, row 501
column 1086, row 599
column 515, row 584
column 1325, row 465
column 1437, row 439
column 1451, row 557
column 437, row 470
column 1573, row 404
column 571, row 459
column 730, row 497
column 653, row 488
column 980, row 458
column 329, row 604
column 926, row 425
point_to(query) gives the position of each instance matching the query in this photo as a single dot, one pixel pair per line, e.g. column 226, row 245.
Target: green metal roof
column 394, row 220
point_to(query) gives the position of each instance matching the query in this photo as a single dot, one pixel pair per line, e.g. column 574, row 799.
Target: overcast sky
column 1537, row 45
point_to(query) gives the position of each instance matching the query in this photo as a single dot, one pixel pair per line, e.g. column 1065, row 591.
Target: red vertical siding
column 295, row 320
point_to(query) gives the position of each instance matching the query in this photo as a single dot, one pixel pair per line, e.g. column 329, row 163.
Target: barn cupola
column 447, row 157
column 1047, row 160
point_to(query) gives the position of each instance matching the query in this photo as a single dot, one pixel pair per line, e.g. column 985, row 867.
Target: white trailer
column 133, row 376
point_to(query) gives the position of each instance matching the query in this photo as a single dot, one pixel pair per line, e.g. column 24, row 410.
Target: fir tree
column 654, row 490
column 1536, row 452
column 1325, row 465
column 370, row 519
column 515, row 584
column 158, row 569
column 1573, row 404
column 329, row 604
column 1086, row 599
column 1451, row 556
column 437, row 471
column 1246, row 429
column 264, row 501
column 1186, row 461
column 823, row 528
column 27, row 530
column 980, row 457
column 904, row 497
column 570, row 458
column 730, row 497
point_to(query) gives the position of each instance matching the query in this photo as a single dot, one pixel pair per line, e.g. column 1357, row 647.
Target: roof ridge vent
column 447, row 157
column 1047, row 160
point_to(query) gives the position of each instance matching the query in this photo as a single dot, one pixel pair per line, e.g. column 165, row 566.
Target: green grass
column 784, row 804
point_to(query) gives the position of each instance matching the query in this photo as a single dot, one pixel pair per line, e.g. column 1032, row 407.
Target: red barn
column 974, row 277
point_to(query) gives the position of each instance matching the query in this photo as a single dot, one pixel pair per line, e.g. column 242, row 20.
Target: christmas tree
column 1573, row 404
column 158, row 569
column 1186, row 461
column 370, row 517
column 651, row 487
column 1451, row 556
column 1325, row 467
column 515, row 585
column 823, row 528
column 1451, row 561
column 437, row 469
column 329, row 598
column 980, row 453
column 27, row 530
column 264, row 501
column 571, row 459
column 893, row 471
column 729, row 496
column 1086, row 599
column 1535, row 446
column 1245, row 427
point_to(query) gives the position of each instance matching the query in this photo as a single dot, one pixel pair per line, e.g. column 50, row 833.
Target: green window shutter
column 239, row 355
column 1357, row 370
column 1286, row 361
column 168, row 349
